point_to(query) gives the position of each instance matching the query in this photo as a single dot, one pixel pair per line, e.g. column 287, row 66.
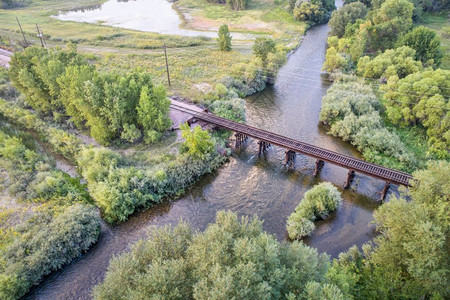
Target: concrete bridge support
column 385, row 190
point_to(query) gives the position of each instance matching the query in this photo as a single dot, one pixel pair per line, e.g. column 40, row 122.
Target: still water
column 144, row 15
column 249, row 184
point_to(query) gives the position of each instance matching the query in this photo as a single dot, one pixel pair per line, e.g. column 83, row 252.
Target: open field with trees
column 97, row 100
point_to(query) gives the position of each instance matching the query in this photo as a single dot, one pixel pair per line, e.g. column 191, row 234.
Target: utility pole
column 40, row 35
column 167, row 63
column 23, row 34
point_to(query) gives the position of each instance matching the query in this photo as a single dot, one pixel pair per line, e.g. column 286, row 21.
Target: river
column 249, row 184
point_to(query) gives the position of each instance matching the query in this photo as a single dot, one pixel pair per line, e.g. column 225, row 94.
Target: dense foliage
column 44, row 244
column 422, row 99
column 224, row 38
column 62, row 84
column 197, row 142
column 119, row 189
column 317, row 203
column 351, row 109
column 399, row 62
column 58, row 228
column 231, row 259
column 409, row 259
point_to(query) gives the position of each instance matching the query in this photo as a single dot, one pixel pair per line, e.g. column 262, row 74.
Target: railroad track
column 321, row 154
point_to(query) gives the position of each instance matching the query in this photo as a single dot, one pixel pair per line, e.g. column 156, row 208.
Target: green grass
column 438, row 22
column 192, row 60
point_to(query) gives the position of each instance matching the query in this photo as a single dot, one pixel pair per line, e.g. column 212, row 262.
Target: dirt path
column 5, row 58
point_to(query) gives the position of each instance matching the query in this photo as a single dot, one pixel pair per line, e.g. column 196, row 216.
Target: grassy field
column 439, row 22
column 193, row 60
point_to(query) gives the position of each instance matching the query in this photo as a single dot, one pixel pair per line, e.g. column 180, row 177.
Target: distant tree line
column 233, row 4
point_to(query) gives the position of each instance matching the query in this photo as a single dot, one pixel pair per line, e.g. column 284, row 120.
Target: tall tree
column 224, row 38
column 262, row 47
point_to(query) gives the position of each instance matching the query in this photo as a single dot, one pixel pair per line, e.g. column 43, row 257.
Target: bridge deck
column 348, row 162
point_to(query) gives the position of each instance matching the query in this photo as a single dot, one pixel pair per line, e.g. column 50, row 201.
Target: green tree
column 231, row 259
column 390, row 21
column 224, row 38
column 262, row 47
column 198, row 142
column 426, row 43
column 400, row 62
column 348, row 14
column 153, row 112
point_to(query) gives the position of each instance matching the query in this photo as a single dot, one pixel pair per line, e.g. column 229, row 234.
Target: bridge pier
column 240, row 140
column 290, row 158
column 350, row 176
column 319, row 166
column 385, row 190
column 263, row 146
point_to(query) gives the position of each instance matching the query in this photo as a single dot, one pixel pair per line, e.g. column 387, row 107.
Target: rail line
column 322, row 155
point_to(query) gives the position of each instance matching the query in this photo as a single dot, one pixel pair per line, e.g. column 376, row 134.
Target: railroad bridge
column 294, row 147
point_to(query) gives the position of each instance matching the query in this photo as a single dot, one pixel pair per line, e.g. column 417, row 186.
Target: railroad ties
column 294, row 147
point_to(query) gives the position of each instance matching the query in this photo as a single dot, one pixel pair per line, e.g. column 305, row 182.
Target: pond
column 157, row 16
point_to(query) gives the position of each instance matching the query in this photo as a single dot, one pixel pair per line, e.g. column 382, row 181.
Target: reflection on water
column 144, row 15
column 249, row 184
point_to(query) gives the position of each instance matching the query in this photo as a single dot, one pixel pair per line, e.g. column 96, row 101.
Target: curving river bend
column 249, row 184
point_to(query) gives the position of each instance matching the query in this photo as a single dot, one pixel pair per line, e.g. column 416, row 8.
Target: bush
column 45, row 245
column 233, row 109
column 318, row 202
column 231, row 259
column 130, row 133
column 198, row 142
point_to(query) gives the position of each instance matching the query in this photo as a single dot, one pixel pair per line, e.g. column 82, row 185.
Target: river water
column 249, row 184
column 143, row 15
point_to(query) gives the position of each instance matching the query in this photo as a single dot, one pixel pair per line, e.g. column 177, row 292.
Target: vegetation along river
column 249, row 184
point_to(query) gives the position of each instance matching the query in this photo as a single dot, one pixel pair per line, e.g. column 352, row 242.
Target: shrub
column 231, row 259
column 233, row 109
column 130, row 133
column 198, row 142
column 45, row 245
column 262, row 47
column 318, row 202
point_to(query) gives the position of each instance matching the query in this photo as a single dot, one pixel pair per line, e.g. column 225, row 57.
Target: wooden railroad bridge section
column 294, row 147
